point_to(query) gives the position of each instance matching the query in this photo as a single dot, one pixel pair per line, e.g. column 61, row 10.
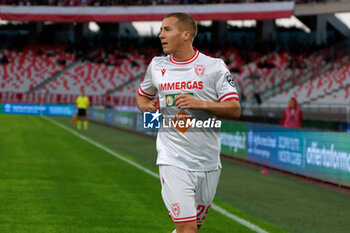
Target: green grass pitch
column 53, row 181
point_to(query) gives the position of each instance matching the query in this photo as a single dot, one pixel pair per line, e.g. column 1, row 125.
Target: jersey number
column 200, row 210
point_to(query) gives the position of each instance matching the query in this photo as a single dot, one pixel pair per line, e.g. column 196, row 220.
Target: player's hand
column 151, row 106
column 184, row 101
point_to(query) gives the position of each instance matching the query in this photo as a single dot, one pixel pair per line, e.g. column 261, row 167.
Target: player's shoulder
column 212, row 61
column 159, row 59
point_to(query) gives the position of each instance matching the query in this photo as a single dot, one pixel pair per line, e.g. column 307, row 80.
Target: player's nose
column 161, row 35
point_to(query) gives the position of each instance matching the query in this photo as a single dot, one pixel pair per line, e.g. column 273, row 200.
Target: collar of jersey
column 184, row 62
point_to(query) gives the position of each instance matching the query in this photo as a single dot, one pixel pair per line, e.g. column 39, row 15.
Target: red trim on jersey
column 232, row 94
column 185, row 62
column 231, row 98
column 193, row 220
column 141, row 92
column 187, row 219
column 195, row 216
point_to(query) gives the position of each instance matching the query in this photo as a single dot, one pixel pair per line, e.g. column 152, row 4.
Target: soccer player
column 82, row 105
column 187, row 82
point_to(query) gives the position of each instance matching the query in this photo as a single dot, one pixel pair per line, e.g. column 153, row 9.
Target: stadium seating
column 319, row 86
column 340, row 97
column 99, row 77
column 106, row 70
column 129, row 90
column 267, row 72
column 32, row 65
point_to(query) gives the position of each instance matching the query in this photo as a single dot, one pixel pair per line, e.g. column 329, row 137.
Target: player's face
column 170, row 36
column 292, row 103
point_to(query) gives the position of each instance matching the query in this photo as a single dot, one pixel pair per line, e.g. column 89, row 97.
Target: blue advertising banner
column 316, row 154
column 275, row 146
column 37, row 109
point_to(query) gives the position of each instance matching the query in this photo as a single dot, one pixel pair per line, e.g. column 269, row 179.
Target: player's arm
column 146, row 93
column 146, row 104
column 230, row 109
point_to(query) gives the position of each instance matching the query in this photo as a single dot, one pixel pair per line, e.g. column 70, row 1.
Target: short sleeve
column 225, row 86
column 147, row 88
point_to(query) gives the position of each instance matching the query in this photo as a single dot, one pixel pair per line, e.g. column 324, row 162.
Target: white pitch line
column 146, row 170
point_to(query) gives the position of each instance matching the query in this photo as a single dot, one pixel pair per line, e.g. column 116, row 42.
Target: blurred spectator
column 3, row 59
column 292, row 117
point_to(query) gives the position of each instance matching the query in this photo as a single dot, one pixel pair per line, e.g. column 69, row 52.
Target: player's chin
column 166, row 51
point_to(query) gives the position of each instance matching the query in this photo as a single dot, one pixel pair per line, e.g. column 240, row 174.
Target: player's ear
column 186, row 35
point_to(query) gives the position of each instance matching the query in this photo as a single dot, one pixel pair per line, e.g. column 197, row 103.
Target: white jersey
column 206, row 79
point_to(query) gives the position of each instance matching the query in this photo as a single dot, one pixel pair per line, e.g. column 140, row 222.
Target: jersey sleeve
column 225, row 86
column 147, row 88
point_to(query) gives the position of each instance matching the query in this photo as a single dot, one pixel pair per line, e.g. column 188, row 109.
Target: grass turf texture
column 53, row 181
column 290, row 204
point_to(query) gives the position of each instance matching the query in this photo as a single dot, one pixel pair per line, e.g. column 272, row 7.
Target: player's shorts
column 188, row 195
column 81, row 112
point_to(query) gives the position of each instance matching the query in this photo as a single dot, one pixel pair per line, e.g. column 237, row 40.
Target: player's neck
column 183, row 54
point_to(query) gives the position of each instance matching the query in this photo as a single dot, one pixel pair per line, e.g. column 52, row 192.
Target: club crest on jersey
column 163, row 71
column 175, row 207
column 199, row 69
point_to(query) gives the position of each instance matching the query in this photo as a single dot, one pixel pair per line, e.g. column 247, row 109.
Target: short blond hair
column 184, row 22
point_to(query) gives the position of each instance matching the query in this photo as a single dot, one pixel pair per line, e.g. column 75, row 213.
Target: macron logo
column 151, row 120
column 163, row 71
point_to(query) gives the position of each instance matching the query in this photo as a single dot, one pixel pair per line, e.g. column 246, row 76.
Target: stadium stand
column 338, row 96
column 272, row 74
column 101, row 72
column 274, row 70
column 328, row 78
column 30, row 66
column 106, row 70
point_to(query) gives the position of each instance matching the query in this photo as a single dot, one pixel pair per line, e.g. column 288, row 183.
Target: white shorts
column 188, row 195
